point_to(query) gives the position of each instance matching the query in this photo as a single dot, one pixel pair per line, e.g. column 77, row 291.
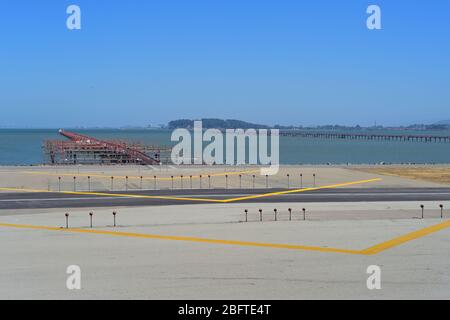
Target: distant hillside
column 215, row 123
column 239, row 124
column 443, row 122
column 441, row 125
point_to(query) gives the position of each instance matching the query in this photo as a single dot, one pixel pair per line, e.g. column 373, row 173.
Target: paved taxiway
column 34, row 200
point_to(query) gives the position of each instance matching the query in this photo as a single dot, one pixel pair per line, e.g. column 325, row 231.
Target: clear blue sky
column 140, row 62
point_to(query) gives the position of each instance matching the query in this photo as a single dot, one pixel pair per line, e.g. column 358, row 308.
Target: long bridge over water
column 367, row 136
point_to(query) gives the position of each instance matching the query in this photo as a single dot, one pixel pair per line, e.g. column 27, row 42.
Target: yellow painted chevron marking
column 369, row 251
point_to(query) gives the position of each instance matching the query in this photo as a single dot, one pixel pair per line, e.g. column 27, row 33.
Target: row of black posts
column 91, row 215
column 260, row 211
column 190, row 180
column 441, row 206
column 275, row 211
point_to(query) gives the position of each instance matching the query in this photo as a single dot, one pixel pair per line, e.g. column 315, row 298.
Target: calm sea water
column 24, row 147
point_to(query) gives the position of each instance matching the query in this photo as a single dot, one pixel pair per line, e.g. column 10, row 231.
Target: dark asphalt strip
column 59, row 200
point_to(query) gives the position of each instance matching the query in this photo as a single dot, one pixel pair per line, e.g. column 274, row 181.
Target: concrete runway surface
column 206, row 251
column 162, row 248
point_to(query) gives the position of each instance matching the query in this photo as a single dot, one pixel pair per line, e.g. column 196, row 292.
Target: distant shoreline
column 274, row 127
column 331, row 165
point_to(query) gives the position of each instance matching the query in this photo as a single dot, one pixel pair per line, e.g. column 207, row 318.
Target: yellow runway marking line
column 405, row 238
column 264, row 195
column 144, row 177
column 369, row 251
column 117, row 195
column 186, row 239
column 271, row 194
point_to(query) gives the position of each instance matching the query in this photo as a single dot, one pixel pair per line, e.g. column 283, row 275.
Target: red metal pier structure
column 81, row 149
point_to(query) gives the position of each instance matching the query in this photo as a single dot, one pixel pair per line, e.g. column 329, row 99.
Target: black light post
column 422, row 207
column 67, row 220
column 275, row 211
column 442, row 210
column 304, row 213
column 90, row 217
column 290, row 214
column 260, row 215
column 246, row 214
column 114, row 217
